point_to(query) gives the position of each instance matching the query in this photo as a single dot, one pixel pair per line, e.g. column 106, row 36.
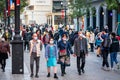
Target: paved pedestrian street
column 93, row 70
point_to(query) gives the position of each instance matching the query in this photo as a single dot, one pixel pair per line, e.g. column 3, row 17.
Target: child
column 51, row 57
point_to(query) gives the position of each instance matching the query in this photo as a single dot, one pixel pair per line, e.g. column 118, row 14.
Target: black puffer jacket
column 114, row 47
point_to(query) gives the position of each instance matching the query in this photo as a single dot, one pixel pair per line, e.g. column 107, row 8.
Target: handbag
column 61, row 60
column 67, row 61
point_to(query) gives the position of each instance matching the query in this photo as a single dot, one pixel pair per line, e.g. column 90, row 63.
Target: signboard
column 12, row 6
column 40, row 2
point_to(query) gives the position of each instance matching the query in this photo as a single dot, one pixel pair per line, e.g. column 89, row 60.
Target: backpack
column 107, row 42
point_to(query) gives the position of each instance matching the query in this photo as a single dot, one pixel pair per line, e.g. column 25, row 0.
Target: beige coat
column 38, row 46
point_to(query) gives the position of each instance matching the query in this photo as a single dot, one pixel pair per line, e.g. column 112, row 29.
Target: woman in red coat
column 4, row 50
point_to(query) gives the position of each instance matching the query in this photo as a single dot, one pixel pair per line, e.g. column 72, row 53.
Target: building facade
column 36, row 12
column 99, row 16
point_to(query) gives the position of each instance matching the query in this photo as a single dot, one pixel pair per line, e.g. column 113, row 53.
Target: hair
column 64, row 35
column 37, row 31
column 113, row 34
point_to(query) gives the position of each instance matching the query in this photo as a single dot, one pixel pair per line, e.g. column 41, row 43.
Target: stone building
column 35, row 12
column 99, row 16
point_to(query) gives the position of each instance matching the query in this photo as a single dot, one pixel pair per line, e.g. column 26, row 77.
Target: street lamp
column 65, row 3
column 17, row 44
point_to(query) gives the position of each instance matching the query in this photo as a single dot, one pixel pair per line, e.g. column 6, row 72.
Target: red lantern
column 8, row 8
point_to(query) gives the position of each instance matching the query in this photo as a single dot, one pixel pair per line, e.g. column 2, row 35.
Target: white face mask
column 64, row 39
column 51, row 42
column 35, row 38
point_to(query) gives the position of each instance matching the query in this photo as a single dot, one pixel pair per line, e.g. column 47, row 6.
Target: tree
column 3, row 5
column 78, row 9
column 114, row 4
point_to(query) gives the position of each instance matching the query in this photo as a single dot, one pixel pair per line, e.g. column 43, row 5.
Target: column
column 50, row 20
column 97, row 17
column 53, row 22
column 114, row 20
column 105, row 16
column 85, row 22
column 91, row 19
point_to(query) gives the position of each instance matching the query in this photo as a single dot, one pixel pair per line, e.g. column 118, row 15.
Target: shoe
column 79, row 73
column 55, row 76
column 3, row 69
column 98, row 55
column 62, row 74
column 112, row 69
column 118, row 67
column 83, row 71
column 103, row 68
column 48, row 75
column 31, row 75
column 36, row 76
column 107, row 69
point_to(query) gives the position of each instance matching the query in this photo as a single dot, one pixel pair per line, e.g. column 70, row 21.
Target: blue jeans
column 113, row 58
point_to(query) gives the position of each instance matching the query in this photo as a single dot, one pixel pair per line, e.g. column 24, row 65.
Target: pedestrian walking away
column 4, row 51
column 105, row 50
column 114, row 48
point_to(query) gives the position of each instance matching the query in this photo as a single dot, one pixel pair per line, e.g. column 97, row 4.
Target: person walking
column 7, row 35
column 64, row 52
column 46, row 39
column 26, row 38
column 98, row 43
column 4, row 51
column 80, row 50
column 105, row 50
column 51, row 56
column 92, row 41
column 35, row 50
column 114, row 48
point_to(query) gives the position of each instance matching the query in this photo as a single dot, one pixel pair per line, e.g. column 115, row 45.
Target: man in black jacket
column 114, row 48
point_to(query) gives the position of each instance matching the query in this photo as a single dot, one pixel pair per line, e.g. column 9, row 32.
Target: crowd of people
column 62, row 43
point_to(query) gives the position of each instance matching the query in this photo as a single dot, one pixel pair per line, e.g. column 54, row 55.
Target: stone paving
column 93, row 70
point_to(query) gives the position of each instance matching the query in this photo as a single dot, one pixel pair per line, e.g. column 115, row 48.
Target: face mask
column 64, row 39
column 35, row 38
column 81, row 35
column 51, row 42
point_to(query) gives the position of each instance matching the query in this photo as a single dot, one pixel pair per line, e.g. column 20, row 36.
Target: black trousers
column 63, row 68
column 81, row 62
column 26, row 44
column 3, row 63
column 36, row 59
column 105, row 58
column 92, row 47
